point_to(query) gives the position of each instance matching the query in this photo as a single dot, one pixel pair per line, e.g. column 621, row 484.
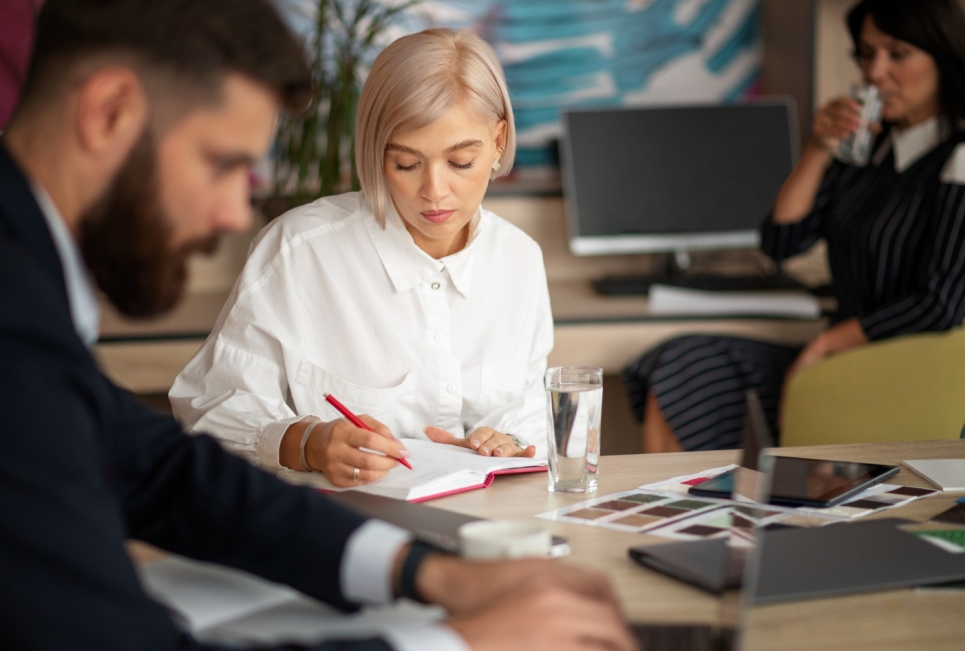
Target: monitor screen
column 667, row 179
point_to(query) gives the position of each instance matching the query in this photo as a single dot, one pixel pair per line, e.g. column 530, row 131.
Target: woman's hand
column 835, row 121
column 485, row 440
column 813, row 353
column 334, row 449
column 844, row 336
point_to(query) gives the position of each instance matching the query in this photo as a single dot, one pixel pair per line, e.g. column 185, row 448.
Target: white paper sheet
column 665, row 299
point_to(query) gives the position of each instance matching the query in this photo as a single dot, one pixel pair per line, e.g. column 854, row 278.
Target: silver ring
column 355, row 474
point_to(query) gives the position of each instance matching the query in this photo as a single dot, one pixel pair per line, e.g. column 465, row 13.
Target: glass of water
column 574, row 398
column 856, row 148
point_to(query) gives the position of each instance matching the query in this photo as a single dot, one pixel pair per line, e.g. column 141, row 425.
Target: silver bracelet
column 301, row 448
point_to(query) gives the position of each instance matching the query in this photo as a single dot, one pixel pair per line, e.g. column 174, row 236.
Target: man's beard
column 125, row 239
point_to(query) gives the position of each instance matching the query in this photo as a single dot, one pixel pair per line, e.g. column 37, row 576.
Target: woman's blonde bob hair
column 413, row 82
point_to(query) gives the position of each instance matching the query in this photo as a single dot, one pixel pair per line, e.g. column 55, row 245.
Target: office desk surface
column 900, row 619
column 609, row 331
column 576, row 301
column 590, row 330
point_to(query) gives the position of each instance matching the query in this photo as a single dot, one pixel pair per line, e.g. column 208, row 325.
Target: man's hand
column 484, row 440
column 461, row 586
column 333, row 449
column 543, row 617
column 530, row 604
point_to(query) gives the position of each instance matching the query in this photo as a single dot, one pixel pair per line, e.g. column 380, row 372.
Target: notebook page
column 208, row 595
column 228, row 606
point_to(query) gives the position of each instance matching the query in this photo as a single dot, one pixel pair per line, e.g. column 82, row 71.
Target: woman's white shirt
column 329, row 302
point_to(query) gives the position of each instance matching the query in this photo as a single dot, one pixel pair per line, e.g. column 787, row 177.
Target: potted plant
column 313, row 155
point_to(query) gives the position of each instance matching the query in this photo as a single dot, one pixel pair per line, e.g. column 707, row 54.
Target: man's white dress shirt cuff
column 366, row 576
column 366, row 571
column 426, row 638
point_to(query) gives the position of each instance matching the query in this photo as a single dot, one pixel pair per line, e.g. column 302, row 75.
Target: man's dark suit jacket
column 84, row 467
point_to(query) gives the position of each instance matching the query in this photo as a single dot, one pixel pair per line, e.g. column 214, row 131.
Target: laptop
column 723, row 635
column 429, row 524
column 711, row 565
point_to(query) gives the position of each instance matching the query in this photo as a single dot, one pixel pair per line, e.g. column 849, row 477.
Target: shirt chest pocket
column 394, row 406
column 498, row 385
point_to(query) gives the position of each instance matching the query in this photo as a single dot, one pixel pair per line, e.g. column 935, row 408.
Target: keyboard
column 681, row 637
column 640, row 285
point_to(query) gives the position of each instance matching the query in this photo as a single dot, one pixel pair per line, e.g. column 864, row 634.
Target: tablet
column 806, row 482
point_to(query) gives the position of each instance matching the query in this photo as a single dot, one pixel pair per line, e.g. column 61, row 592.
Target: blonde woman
column 408, row 301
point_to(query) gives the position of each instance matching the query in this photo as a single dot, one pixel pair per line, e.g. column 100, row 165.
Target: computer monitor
column 671, row 179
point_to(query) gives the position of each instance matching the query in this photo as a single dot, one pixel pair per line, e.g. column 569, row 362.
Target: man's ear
column 112, row 111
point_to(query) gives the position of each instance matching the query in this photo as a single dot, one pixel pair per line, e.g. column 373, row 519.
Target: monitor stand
column 675, row 274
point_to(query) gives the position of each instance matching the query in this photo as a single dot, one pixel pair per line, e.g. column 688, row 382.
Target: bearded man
column 131, row 150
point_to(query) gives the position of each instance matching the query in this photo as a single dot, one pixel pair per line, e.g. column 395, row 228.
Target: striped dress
column 896, row 245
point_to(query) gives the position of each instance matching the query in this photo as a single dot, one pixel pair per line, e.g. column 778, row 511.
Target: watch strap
column 418, row 552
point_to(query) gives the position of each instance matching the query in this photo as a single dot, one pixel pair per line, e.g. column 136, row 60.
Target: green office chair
column 909, row 388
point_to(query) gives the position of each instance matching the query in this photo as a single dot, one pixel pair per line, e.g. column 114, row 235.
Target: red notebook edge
column 486, row 484
column 465, row 489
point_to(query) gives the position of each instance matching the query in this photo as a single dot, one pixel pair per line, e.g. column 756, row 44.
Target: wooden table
column 900, row 619
column 608, row 331
column 590, row 330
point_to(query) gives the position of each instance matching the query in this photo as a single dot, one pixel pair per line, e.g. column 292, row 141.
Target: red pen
column 355, row 420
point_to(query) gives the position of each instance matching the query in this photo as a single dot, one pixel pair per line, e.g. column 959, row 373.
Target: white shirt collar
column 911, row 144
column 409, row 266
column 80, row 290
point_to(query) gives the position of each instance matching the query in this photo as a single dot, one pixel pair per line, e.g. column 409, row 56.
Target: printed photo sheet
column 666, row 509
column 875, row 498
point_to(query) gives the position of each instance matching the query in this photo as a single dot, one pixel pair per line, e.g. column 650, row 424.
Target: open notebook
column 222, row 605
column 437, row 470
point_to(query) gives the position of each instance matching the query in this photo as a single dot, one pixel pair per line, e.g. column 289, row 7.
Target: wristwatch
column 410, row 569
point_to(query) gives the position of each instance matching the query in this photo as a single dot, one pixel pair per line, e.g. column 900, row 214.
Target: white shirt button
column 435, row 285
column 439, row 336
column 451, row 388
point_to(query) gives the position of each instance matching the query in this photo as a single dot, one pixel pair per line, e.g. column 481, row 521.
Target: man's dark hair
column 935, row 26
column 196, row 42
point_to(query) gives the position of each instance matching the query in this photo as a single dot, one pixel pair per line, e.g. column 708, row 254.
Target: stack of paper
column 665, row 299
column 946, row 474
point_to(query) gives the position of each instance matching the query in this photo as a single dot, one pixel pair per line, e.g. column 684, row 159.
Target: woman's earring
column 496, row 163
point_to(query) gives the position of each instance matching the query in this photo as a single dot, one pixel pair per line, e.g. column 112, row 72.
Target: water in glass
column 574, row 435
